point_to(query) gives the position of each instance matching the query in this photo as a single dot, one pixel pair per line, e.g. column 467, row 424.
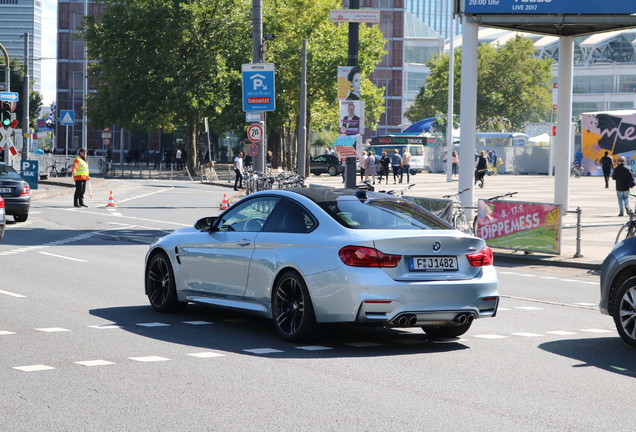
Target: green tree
column 164, row 64
column 513, row 86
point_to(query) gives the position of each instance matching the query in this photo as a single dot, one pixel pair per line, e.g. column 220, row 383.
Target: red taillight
column 1, row 202
column 26, row 191
column 358, row 256
column 481, row 258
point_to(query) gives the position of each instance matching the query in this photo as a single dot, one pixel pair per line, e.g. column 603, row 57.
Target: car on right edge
column 618, row 289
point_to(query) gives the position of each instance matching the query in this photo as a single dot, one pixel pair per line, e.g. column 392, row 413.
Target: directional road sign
column 9, row 96
column 67, row 117
column 258, row 87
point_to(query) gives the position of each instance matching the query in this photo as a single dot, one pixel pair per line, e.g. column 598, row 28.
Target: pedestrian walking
column 238, row 170
column 455, row 163
column 624, row 181
column 363, row 164
column 370, row 170
column 385, row 163
column 607, row 163
column 481, row 168
column 406, row 165
column 80, row 175
column 396, row 164
column 178, row 160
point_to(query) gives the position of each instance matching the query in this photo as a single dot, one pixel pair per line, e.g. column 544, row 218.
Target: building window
column 419, row 54
column 627, row 83
column 593, row 84
column 415, row 81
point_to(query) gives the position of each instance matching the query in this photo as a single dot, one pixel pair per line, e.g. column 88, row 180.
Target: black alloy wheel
column 625, row 312
column 160, row 285
column 291, row 306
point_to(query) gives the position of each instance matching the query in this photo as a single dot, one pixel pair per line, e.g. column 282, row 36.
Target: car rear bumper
column 17, row 205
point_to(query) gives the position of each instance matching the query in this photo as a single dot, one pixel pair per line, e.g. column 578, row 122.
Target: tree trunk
column 191, row 147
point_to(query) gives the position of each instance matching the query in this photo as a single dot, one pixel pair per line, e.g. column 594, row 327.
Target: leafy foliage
column 513, row 87
column 17, row 85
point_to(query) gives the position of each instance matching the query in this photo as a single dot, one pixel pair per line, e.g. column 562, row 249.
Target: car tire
column 22, row 217
column 450, row 331
column 333, row 170
column 317, row 174
column 160, row 285
column 292, row 310
column 625, row 312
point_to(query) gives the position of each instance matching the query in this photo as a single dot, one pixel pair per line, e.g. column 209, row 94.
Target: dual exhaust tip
column 410, row 320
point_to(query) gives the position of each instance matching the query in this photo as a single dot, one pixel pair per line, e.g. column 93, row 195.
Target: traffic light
column 5, row 114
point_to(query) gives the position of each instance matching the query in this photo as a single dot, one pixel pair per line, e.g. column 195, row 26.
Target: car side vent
column 177, row 255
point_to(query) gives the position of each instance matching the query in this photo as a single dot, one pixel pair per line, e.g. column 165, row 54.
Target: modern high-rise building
column 18, row 17
column 434, row 13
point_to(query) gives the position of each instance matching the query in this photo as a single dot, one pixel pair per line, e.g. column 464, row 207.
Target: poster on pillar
column 349, row 78
column 351, row 118
column 607, row 131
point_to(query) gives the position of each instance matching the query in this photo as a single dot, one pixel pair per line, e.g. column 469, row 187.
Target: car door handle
column 244, row 242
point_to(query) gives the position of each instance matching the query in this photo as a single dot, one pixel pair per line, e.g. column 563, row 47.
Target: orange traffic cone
column 224, row 202
column 111, row 200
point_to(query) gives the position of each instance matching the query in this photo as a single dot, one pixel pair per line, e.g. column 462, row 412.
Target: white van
column 416, row 150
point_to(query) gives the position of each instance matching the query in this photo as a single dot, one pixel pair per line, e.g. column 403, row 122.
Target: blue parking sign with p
column 258, row 87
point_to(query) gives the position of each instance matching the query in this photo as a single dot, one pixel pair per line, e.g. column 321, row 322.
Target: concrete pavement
column 599, row 208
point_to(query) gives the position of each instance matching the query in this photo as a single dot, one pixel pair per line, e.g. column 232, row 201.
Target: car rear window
column 7, row 172
column 382, row 214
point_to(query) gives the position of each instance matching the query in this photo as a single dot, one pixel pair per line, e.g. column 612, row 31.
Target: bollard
column 578, row 233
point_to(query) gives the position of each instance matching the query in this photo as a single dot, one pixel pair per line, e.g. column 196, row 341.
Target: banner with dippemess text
column 532, row 227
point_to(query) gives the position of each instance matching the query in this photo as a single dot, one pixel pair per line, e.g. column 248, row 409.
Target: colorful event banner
column 608, row 131
column 532, row 227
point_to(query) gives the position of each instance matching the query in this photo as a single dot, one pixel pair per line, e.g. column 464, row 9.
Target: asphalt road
column 82, row 349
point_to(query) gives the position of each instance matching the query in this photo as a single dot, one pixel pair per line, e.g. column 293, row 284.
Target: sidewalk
column 599, row 220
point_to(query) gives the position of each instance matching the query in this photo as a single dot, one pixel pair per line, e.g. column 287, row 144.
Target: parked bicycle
column 576, row 170
column 55, row 170
column 495, row 198
column 629, row 228
column 400, row 192
column 459, row 220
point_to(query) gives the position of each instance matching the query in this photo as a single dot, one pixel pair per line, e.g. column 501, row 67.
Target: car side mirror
column 206, row 224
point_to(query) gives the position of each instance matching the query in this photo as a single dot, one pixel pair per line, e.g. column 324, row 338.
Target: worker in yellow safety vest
column 80, row 175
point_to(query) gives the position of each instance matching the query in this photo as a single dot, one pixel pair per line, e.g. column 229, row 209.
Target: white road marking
column 527, row 334
column 5, row 332
column 263, row 351
column 12, row 294
column 596, row 331
column 62, row 256
column 52, row 329
column 33, row 368
column 313, row 348
column 94, row 363
column 561, row 333
column 153, row 324
column 106, row 326
column 491, row 336
column 197, row 322
column 148, row 359
column 206, row 354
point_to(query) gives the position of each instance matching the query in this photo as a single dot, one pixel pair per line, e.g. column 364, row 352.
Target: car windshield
column 382, row 214
column 7, row 172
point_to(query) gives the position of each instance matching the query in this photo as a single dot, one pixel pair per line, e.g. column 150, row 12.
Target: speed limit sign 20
column 255, row 132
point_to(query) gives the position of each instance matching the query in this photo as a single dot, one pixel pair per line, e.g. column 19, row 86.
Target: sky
column 49, row 51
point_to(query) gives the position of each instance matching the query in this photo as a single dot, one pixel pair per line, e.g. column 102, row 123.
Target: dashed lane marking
column 94, row 363
column 33, row 368
column 561, row 333
column 5, row 332
column 106, row 326
column 12, row 294
column 62, row 256
column 153, row 324
column 197, row 323
column 527, row 334
column 52, row 329
column 149, row 359
column 206, row 354
column 314, row 348
column 596, row 331
column 491, row 336
column 263, row 351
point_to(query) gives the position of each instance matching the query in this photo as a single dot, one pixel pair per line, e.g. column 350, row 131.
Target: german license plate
column 426, row 263
column 5, row 190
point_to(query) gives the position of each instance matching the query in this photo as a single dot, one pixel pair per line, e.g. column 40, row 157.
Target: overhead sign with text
column 549, row 7
column 258, row 87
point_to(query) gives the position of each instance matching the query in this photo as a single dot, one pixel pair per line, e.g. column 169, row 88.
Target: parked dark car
column 618, row 289
column 2, row 219
column 16, row 193
column 325, row 164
